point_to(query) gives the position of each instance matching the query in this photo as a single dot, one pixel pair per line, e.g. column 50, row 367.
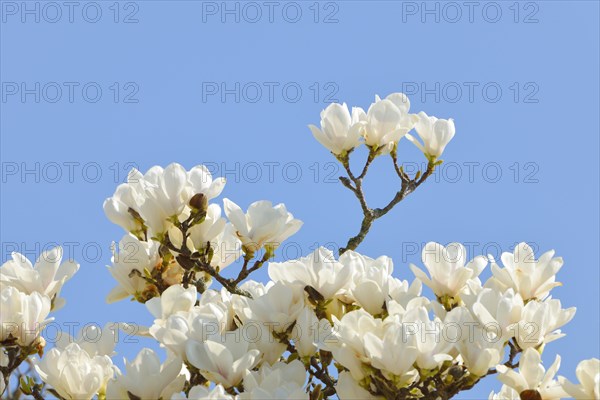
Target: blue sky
column 89, row 91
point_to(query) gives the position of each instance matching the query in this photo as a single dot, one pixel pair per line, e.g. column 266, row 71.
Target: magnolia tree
column 324, row 326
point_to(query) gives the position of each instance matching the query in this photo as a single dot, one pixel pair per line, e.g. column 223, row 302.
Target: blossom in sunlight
column 165, row 196
column 123, row 207
column 481, row 354
column 588, row 374
column 92, row 339
column 435, row 134
column 223, row 360
column 278, row 307
column 154, row 199
column 179, row 320
column 497, row 309
column 371, row 280
column 532, row 377
column 505, row 393
column 280, row 381
column 213, row 232
column 319, row 270
column 129, row 264
column 47, row 276
column 362, row 341
column 432, row 343
column 340, row 131
column 447, row 268
column 200, row 180
column 540, row 322
column 346, row 340
column 146, row 378
column 203, row 393
column 531, row 278
column 176, row 298
column 73, row 373
column 262, row 225
column 308, row 331
column 348, row 388
column 479, row 349
column 23, row 316
column 387, row 121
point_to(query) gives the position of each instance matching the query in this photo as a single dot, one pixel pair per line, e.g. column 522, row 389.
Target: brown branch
column 354, row 184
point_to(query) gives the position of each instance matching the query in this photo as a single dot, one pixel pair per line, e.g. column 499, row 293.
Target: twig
column 354, row 184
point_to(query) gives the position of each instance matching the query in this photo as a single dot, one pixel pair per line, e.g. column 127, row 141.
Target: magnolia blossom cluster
column 28, row 293
column 381, row 127
column 170, row 223
column 323, row 325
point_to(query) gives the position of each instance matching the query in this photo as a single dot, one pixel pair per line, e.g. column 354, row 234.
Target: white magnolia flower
column 262, row 225
column 532, row 376
column 92, row 339
column 498, row 311
column 176, row 298
column 479, row 353
column 47, row 276
column 261, row 337
column 446, row 266
column 340, row 132
column 278, row 308
column 346, row 340
column 129, row 263
column 540, row 322
column 203, row 393
column 348, row 388
column 404, row 297
column 73, row 373
column 203, row 233
column 320, row 270
column 505, row 393
column 371, row 280
column 431, row 341
column 388, row 121
column 23, row 316
column 158, row 196
column 256, row 289
column 225, row 246
column 359, row 340
column 147, row 379
column 165, row 196
column 200, row 180
column 479, row 349
column 278, row 382
column 123, row 207
column 435, row 134
column 308, row 332
column 588, row 374
column 221, row 305
column 392, row 351
column 531, row 278
column 209, row 319
column 224, row 360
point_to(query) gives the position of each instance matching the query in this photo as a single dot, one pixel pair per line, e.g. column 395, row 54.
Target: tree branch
column 354, row 184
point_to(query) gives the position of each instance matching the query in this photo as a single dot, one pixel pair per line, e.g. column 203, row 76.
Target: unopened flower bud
column 199, row 202
column 530, row 395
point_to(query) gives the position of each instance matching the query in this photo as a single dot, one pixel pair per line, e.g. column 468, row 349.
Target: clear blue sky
column 521, row 82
